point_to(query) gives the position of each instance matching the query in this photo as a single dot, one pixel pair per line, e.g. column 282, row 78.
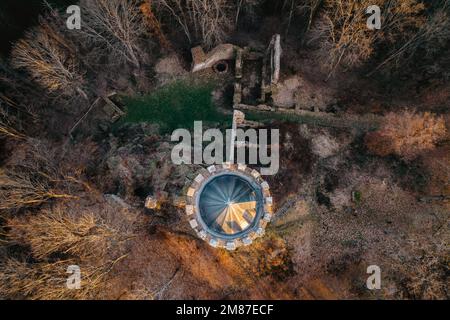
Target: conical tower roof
column 228, row 204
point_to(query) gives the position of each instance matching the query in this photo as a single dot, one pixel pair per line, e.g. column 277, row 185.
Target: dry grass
column 437, row 163
column 428, row 279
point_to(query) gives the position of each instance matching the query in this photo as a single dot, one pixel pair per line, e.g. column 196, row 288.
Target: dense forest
column 73, row 181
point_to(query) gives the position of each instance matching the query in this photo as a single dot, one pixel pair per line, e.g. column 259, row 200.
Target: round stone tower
column 229, row 205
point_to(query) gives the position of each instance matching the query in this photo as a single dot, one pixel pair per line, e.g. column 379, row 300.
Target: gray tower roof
column 229, row 205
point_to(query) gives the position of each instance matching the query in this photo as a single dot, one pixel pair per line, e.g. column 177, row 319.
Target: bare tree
column 96, row 240
column 6, row 130
column 430, row 34
column 246, row 7
column 51, row 62
column 11, row 116
column 308, row 9
column 342, row 34
column 19, row 94
column 208, row 21
column 27, row 189
column 47, row 280
column 115, row 25
column 85, row 235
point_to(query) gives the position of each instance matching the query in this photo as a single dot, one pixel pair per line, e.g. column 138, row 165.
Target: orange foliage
column 406, row 134
column 153, row 24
